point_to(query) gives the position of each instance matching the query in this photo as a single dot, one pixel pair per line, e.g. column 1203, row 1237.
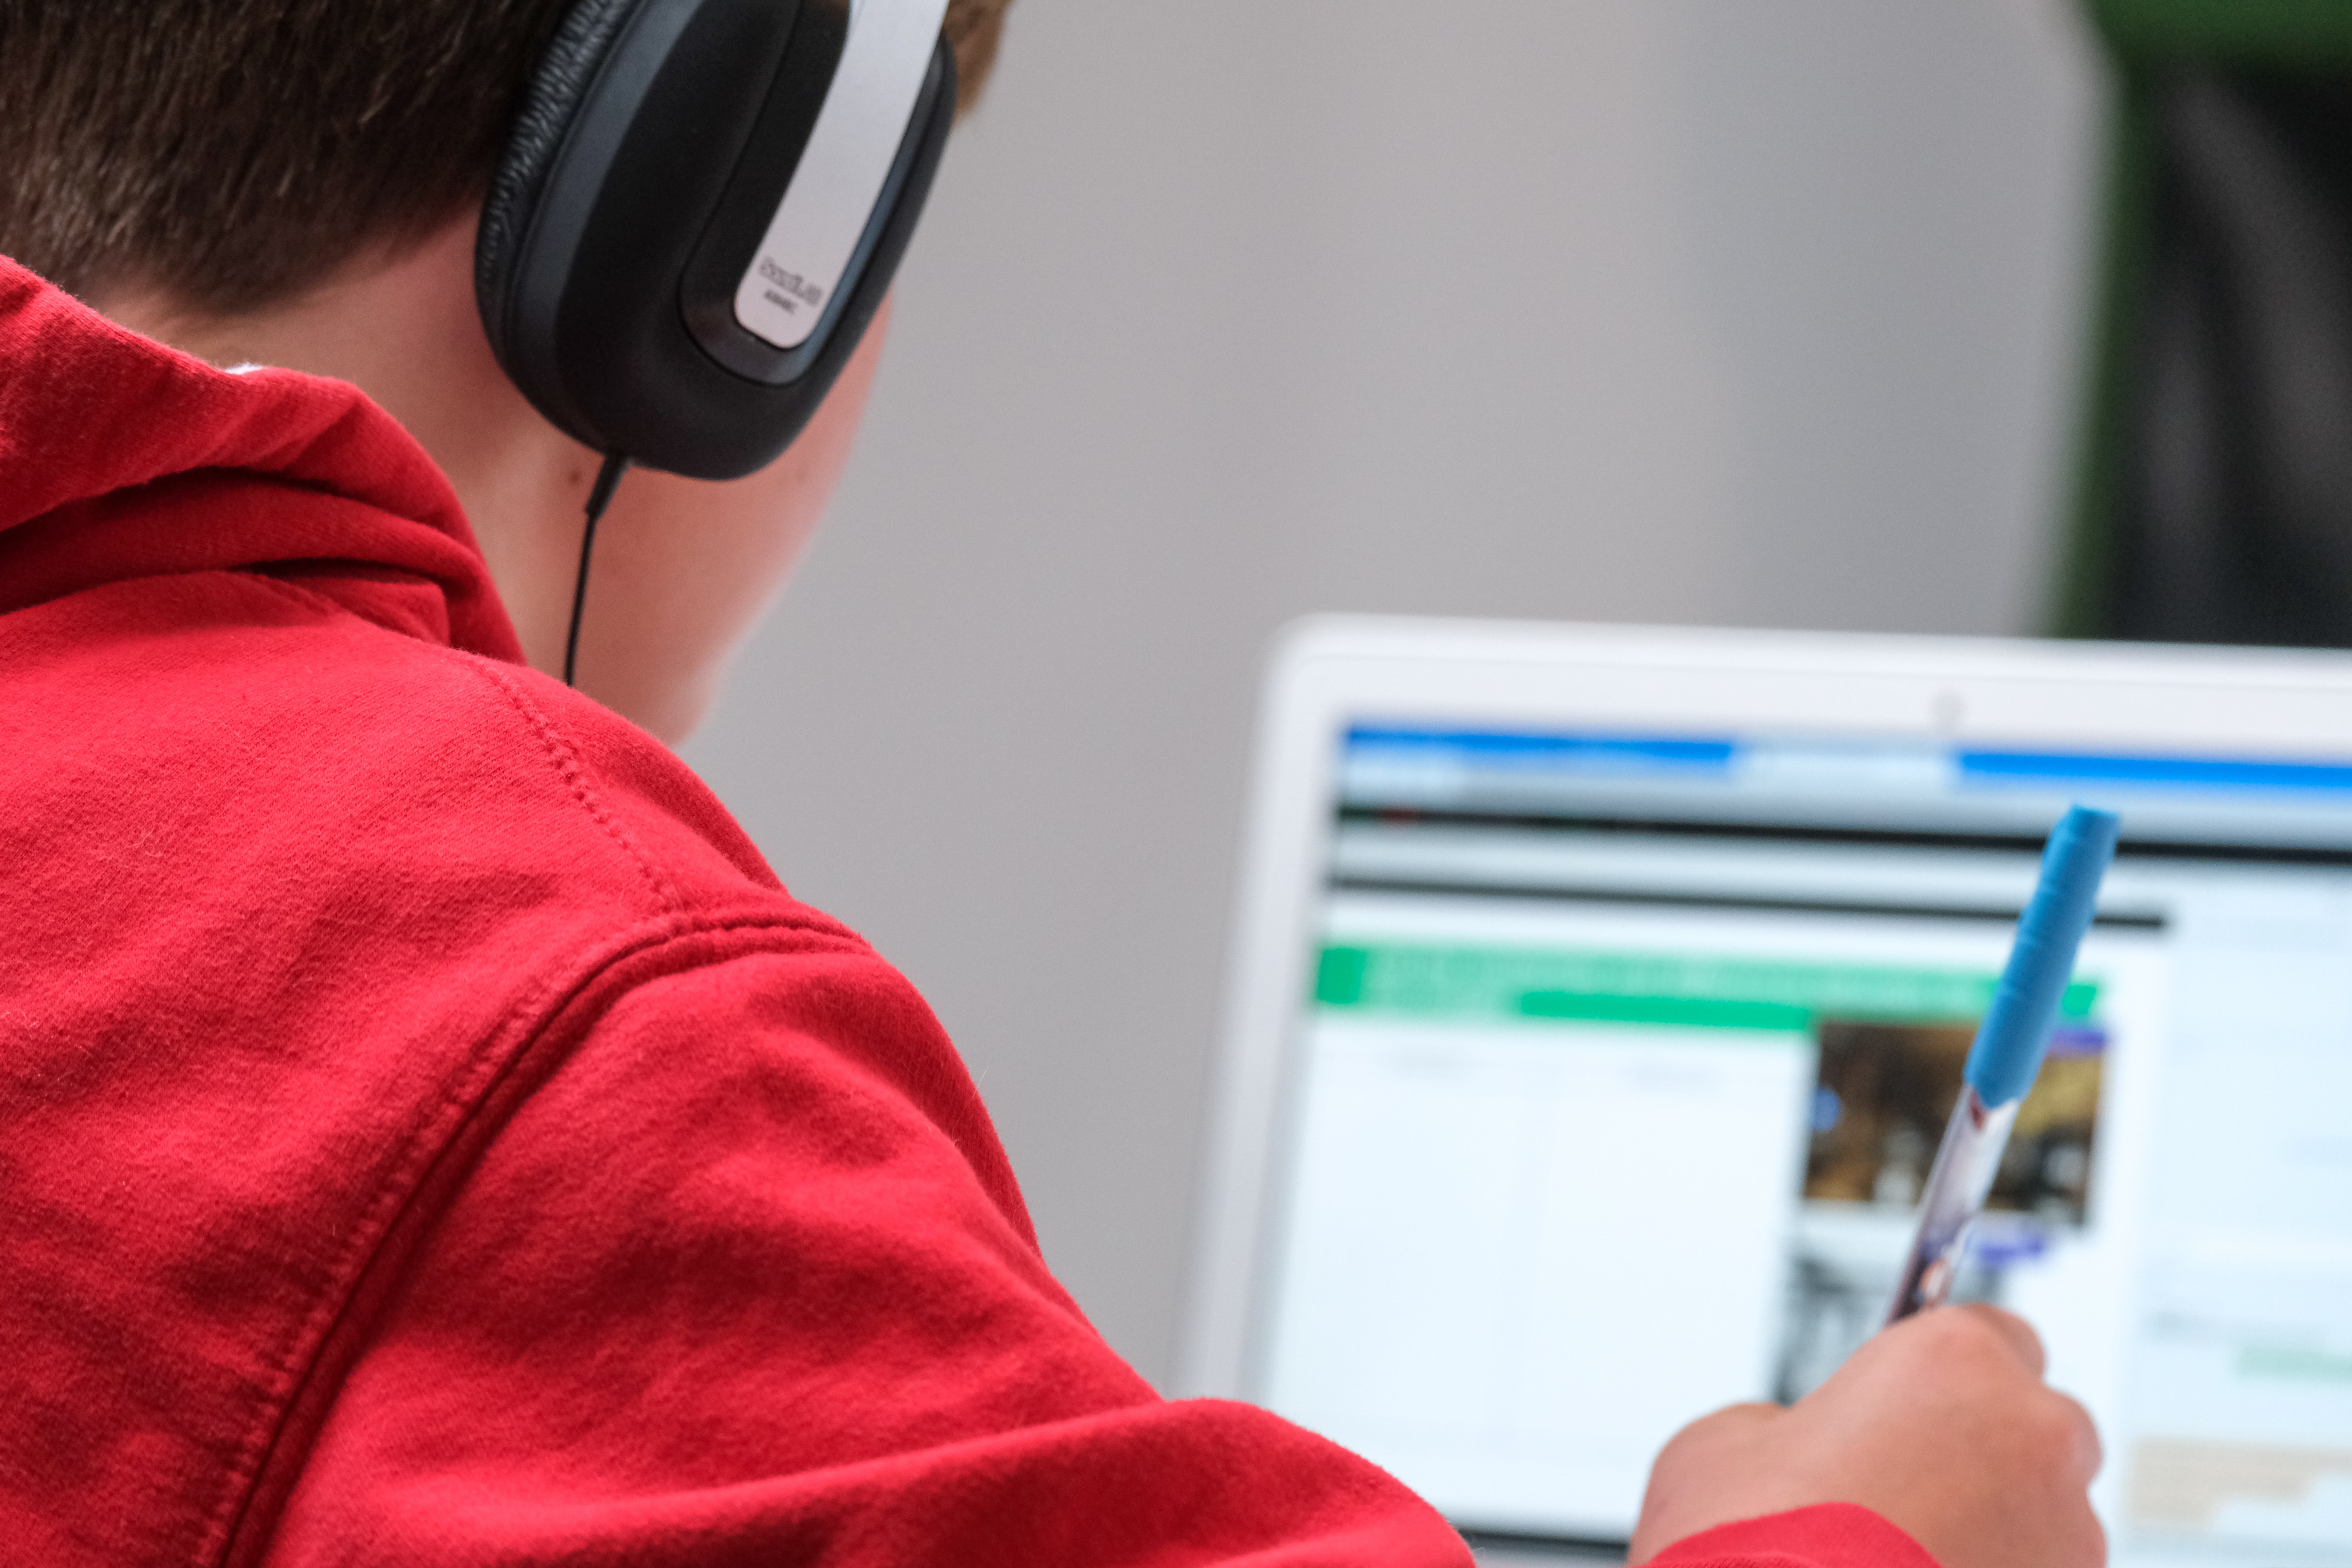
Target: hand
column 1942, row 1426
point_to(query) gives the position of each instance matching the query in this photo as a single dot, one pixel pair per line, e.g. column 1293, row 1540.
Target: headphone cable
column 608, row 479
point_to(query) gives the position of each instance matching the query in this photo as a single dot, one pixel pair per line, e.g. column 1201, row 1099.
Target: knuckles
column 1994, row 1363
column 2062, row 1428
column 1972, row 1342
column 1727, row 1426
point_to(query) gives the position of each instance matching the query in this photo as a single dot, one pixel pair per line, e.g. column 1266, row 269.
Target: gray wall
column 1735, row 312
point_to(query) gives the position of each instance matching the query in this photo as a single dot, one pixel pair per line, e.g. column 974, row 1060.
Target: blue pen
column 2007, row 1055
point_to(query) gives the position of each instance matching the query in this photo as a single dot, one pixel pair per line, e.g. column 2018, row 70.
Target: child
column 432, row 1135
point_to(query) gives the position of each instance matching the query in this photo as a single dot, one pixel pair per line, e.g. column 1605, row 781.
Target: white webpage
column 1625, row 1058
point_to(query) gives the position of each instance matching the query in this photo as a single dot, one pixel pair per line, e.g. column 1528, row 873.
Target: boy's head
column 232, row 153
column 297, row 183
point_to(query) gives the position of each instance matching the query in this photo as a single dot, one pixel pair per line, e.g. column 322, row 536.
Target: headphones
column 700, row 209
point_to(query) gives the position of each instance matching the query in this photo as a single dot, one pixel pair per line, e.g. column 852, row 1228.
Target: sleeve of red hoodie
column 725, row 1290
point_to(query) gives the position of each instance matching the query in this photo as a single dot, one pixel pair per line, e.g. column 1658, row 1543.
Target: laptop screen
column 1624, row 1056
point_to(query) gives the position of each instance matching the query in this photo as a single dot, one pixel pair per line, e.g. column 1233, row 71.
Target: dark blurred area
column 2215, row 502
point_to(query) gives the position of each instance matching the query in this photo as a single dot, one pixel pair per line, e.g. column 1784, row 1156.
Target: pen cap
column 2007, row 1055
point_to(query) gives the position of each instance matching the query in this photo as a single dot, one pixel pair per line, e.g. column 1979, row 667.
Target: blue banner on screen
column 1703, row 758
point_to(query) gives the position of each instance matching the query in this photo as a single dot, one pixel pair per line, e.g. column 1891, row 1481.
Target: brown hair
column 232, row 153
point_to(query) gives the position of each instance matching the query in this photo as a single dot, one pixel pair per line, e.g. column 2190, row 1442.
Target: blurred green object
column 2289, row 33
column 2213, row 499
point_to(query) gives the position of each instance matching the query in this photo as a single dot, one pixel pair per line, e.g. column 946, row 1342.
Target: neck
column 521, row 481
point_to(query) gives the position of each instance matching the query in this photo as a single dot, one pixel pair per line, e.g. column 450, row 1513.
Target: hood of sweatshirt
column 121, row 458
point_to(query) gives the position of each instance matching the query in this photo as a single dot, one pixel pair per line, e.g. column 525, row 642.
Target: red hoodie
column 430, row 1134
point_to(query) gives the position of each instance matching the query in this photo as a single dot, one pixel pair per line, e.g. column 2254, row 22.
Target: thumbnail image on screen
column 1882, row 1092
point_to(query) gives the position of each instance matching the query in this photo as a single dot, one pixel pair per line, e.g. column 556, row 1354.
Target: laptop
column 1598, row 995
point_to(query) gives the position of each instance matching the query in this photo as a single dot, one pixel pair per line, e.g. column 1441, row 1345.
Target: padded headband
column 700, row 208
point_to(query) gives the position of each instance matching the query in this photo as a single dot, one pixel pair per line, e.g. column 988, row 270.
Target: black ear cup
column 558, row 86
column 654, row 145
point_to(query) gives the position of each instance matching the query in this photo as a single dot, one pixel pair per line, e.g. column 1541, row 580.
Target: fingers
column 2081, row 1438
column 2065, row 1428
column 2013, row 1332
column 1739, row 1417
column 1729, row 1429
column 1716, row 1470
